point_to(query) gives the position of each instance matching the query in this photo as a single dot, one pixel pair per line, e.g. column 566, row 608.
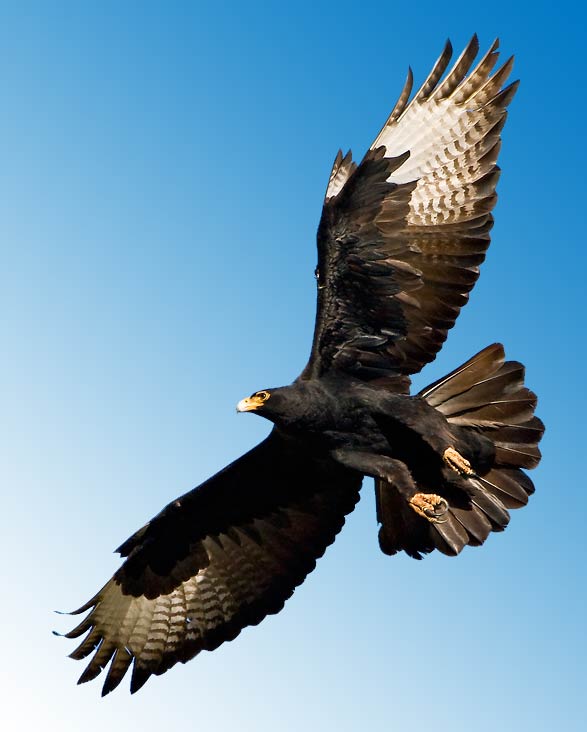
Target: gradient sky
column 163, row 169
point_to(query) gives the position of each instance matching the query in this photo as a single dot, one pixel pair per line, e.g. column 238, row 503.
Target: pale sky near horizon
column 163, row 171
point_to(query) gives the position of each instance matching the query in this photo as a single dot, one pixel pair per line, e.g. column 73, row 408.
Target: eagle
column 400, row 241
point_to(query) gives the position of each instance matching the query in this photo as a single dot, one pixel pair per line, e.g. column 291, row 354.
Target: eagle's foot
column 429, row 506
column 457, row 462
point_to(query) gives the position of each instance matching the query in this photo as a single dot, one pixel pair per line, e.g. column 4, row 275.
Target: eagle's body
column 400, row 241
column 330, row 416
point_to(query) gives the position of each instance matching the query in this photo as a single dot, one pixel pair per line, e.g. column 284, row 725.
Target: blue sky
column 163, row 171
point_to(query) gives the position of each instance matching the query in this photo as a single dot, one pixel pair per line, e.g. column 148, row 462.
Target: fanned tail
column 485, row 396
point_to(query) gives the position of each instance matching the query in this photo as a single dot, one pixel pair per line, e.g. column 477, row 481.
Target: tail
column 487, row 396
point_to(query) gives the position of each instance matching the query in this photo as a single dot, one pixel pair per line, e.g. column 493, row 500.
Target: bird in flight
column 400, row 241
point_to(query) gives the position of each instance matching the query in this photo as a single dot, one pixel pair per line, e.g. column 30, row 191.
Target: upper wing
column 221, row 557
column 403, row 234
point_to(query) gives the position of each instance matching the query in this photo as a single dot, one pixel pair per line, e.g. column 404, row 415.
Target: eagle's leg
column 394, row 472
column 431, row 427
column 378, row 466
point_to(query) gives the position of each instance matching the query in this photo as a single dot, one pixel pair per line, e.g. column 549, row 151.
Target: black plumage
column 400, row 241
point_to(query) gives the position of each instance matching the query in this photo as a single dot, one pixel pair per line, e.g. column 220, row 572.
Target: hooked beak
column 249, row 404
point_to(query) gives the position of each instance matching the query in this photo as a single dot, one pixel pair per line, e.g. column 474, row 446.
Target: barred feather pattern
column 402, row 235
column 451, row 129
column 342, row 169
column 278, row 514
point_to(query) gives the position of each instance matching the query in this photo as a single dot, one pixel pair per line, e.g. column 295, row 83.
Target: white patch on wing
column 342, row 169
column 447, row 130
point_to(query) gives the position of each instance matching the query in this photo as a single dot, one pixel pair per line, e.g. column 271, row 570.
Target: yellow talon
column 457, row 462
column 429, row 506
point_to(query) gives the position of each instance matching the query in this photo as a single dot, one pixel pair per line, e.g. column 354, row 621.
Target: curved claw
column 429, row 506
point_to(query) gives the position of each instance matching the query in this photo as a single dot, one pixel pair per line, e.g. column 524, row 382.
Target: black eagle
column 400, row 242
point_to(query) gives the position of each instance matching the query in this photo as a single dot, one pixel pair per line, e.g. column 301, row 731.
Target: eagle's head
column 287, row 406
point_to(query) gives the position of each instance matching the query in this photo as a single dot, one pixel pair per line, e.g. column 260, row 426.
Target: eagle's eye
column 262, row 395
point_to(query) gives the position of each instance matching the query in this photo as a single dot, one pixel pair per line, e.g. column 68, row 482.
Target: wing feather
column 218, row 559
column 403, row 234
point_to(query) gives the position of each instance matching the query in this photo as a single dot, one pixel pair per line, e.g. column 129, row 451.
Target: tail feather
column 487, row 396
column 460, row 380
column 517, row 444
column 511, row 487
column 450, row 536
column 508, row 410
column 517, row 434
column 503, row 382
column 520, row 456
column 475, row 522
column 485, row 391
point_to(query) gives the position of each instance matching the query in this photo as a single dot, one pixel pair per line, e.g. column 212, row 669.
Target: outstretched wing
column 221, row 557
column 402, row 235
